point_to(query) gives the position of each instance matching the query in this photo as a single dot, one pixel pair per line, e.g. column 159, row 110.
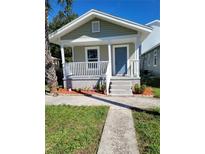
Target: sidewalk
column 119, row 133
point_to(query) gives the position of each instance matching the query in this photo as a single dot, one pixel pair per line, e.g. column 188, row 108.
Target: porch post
column 63, row 64
column 137, row 45
column 109, row 58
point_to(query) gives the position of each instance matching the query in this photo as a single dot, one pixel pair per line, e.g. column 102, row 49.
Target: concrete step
column 111, row 94
column 120, row 92
column 127, row 87
column 121, row 83
column 120, row 88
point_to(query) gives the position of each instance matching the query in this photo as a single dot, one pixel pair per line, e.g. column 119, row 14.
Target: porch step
column 125, row 87
column 120, row 88
column 117, row 82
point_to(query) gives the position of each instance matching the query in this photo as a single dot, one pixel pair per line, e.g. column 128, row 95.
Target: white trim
column 86, row 55
column 118, row 46
column 86, row 52
column 93, row 14
column 63, row 65
column 62, row 54
column 103, row 40
column 151, row 22
column 94, row 22
column 110, row 57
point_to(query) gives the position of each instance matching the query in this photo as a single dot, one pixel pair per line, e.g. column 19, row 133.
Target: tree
column 58, row 21
column 50, row 73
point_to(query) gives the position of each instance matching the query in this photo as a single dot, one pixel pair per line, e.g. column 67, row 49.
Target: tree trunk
column 50, row 72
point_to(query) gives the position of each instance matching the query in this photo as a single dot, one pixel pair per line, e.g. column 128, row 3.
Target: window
column 155, row 57
column 95, row 26
column 92, row 56
column 148, row 59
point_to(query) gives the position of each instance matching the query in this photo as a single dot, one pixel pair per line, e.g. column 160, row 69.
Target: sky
column 140, row 11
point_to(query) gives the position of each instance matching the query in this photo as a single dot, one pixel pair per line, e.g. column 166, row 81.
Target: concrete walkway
column 126, row 102
column 119, row 133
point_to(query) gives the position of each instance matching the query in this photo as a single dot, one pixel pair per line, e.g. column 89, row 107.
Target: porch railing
column 134, row 68
column 84, row 69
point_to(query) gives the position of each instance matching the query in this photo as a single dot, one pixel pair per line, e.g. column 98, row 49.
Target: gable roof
column 93, row 14
column 154, row 37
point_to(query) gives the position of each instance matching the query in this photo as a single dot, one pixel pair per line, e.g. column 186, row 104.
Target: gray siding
column 147, row 61
column 79, row 53
column 106, row 29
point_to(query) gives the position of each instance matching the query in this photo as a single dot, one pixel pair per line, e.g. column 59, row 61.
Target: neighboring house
column 104, row 50
column 150, row 51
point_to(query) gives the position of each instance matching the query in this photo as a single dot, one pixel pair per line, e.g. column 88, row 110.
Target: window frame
column 86, row 55
column 94, row 22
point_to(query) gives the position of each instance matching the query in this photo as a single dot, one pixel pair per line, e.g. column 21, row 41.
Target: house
column 104, row 51
column 150, row 51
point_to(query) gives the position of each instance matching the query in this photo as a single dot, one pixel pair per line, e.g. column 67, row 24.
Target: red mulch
column 82, row 92
column 148, row 91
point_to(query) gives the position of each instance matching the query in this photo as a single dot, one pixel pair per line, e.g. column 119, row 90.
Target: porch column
column 72, row 53
column 63, row 64
column 137, row 45
column 109, row 58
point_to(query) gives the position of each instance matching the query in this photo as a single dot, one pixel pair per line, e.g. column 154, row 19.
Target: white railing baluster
column 86, row 68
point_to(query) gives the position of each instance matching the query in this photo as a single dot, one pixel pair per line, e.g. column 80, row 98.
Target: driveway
column 127, row 102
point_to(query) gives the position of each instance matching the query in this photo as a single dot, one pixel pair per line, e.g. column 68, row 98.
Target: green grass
column 148, row 131
column 156, row 92
column 72, row 129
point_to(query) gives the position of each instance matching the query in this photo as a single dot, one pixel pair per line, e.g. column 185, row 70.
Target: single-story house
column 105, row 49
column 150, row 51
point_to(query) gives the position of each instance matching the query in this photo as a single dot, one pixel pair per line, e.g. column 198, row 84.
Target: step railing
column 84, row 69
column 134, row 68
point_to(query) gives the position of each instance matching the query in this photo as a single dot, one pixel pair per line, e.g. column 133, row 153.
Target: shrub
column 100, row 87
column 103, row 87
column 142, row 88
column 151, row 81
column 78, row 89
column 137, row 88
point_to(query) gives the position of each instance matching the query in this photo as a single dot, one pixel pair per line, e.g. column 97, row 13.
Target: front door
column 120, row 60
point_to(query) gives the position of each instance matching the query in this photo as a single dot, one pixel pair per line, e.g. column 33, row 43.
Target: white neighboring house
column 150, row 50
column 105, row 49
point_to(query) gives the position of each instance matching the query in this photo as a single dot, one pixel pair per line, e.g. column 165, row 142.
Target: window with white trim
column 95, row 26
column 92, row 56
column 155, row 58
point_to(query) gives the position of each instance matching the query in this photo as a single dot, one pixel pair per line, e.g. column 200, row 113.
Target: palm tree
column 50, row 73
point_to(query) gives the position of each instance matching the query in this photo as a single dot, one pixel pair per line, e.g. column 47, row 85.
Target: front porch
column 98, row 68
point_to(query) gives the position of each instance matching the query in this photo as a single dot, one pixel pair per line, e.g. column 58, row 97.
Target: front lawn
column 156, row 92
column 147, row 127
column 72, row 129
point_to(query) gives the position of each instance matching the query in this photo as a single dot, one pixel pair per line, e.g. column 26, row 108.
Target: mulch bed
column 148, row 91
column 81, row 92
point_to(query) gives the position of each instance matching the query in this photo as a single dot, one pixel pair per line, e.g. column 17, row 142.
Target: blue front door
column 121, row 60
